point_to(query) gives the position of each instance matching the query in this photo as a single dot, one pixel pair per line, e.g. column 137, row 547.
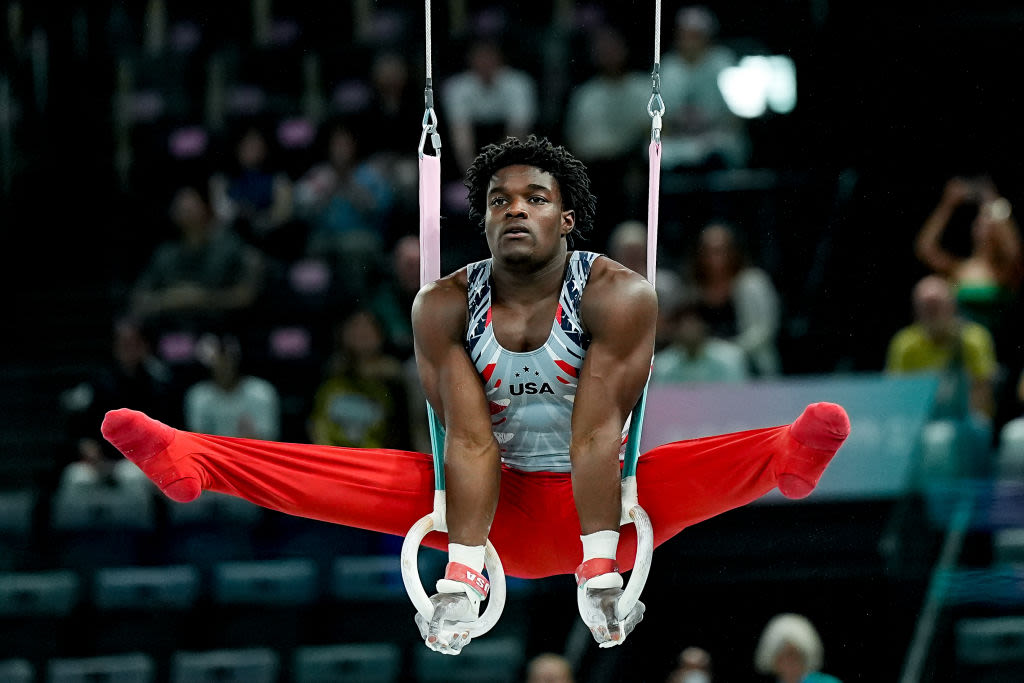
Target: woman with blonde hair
column 791, row 650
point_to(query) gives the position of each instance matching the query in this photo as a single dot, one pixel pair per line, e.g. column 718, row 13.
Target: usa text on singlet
column 531, row 394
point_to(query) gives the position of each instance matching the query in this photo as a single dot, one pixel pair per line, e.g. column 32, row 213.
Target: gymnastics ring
column 632, row 512
column 413, row 586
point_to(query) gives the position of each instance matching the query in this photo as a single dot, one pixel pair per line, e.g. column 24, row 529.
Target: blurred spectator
column 790, row 649
column 394, row 105
column 347, row 203
column 985, row 280
column 939, row 340
column 738, row 301
column 549, row 668
column 136, row 378
column 628, row 245
column 693, row 356
column 95, row 471
column 252, row 196
column 206, row 273
column 392, row 299
column 700, row 131
column 607, row 123
column 694, row 666
column 231, row 403
column 362, row 401
column 487, row 102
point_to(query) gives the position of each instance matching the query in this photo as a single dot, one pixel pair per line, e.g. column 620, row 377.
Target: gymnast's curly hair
column 569, row 171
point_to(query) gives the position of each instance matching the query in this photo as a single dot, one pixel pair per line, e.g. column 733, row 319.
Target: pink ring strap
column 430, row 219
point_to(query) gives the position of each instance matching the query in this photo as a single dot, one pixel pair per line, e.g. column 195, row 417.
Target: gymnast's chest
column 522, row 329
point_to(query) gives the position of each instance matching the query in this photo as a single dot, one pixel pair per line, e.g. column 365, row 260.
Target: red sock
column 817, row 434
column 146, row 443
column 379, row 490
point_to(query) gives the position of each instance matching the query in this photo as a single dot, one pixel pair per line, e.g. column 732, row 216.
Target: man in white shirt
column 489, row 94
column 230, row 403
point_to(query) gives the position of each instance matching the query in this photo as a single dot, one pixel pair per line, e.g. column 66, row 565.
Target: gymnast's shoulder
column 443, row 301
column 610, row 281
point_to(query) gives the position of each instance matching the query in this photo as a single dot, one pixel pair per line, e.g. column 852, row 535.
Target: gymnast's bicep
column 450, row 382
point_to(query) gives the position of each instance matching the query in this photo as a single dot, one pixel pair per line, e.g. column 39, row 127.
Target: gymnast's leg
column 535, row 527
column 683, row 483
column 679, row 485
column 379, row 490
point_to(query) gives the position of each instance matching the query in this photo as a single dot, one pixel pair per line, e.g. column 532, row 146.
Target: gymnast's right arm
column 454, row 390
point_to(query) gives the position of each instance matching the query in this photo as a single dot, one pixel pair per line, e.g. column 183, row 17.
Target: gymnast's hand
column 597, row 607
column 455, row 605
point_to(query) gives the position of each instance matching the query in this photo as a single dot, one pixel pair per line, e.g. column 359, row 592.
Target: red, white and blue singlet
column 531, row 393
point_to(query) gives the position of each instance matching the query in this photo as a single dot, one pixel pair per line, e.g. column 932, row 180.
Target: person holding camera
column 986, row 279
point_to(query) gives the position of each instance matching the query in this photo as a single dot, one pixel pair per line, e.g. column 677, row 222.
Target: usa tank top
column 530, row 394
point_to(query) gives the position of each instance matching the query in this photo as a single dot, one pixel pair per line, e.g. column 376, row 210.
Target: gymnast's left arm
column 619, row 310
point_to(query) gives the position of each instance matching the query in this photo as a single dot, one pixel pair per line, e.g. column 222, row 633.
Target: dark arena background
column 907, row 559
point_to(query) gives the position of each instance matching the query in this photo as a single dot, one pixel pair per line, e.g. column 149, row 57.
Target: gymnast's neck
column 525, row 282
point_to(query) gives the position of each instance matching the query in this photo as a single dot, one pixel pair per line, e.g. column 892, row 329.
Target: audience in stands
column 231, row 403
column 737, row 299
column 607, row 124
column 940, row 340
column 347, row 203
column 254, row 197
column 392, row 298
column 693, row 356
column 628, row 246
column 133, row 376
column 791, row 650
column 548, row 667
column 962, row 353
column 94, row 471
column 395, row 104
column 361, row 402
column 487, row 101
column 205, row 274
column 986, row 278
column 701, row 133
column 694, row 666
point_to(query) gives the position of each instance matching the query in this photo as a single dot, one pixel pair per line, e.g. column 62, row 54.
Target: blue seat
column 371, row 578
column 1011, row 451
column 355, row 663
column 128, row 668
column 488, row 660
column 213, row 528
column 990, row 649
column 16, row 511
column 17, row 671
column 249, row 665
column 52, row 593
column 95, row 527
column 87, row 508
column 34, row 611
column 149, row 588
column 217, row 508
column 16, row 508
column 145, row 609
column 262, row 603
column 266, row 582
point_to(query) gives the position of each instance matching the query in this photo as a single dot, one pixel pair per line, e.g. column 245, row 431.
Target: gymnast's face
column 525, row 222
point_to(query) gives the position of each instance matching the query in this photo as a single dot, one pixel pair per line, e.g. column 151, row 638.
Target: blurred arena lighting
column 759, row 83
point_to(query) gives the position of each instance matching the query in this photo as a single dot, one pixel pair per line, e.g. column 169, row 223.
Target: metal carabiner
column 656, row 105
column 430, row 127
column 429, row 121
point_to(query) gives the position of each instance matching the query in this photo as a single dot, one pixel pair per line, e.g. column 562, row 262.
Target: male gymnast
column 533, row 360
